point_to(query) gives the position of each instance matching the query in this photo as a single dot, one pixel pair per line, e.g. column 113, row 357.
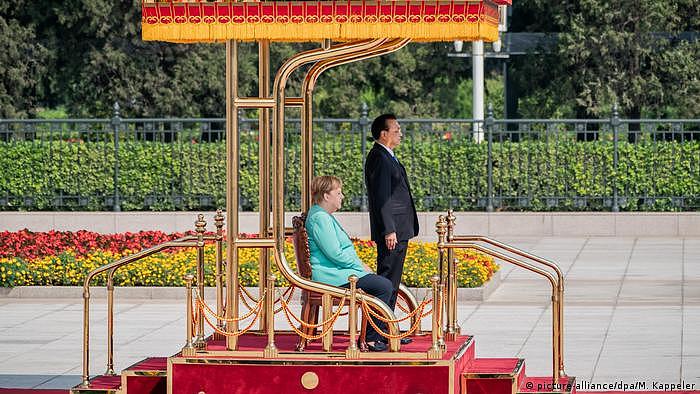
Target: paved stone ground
column 632, row 314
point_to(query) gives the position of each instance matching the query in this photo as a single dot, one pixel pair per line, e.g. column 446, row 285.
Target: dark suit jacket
column 391, row 207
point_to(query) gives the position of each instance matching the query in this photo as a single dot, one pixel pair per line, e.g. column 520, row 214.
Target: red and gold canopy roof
column 444, row 20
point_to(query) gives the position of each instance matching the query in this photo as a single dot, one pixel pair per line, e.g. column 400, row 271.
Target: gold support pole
column 86, row 333
column 264, row 167
column 443, row 263
column 441, row 230
column 219, row 224
column 453, row 329
column 352, row 352
column 327, row 310
column 307, row 155
column 232, row 295
column 556, row 342
column 189, row 349
column 199, row 226
column 560, row 322
column 441, row 316
column 271, row 350
column 110, row 322
column 435, row 350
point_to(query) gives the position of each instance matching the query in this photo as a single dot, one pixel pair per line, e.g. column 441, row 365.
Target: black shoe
column 378, row 346
column 404, row 341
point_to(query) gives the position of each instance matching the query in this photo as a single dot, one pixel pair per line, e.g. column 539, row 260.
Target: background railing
column 525, row 164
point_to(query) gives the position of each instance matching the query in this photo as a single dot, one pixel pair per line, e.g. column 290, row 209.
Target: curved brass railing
column 317, row 287
column 448, row 242
column 538, row 259
column 189, row 241
column 379, row 48
column 184, row 242
column 278, row 120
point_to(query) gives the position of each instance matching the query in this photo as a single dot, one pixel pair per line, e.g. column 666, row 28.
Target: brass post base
column 270, row 352
column 232, row 343
column 200, row 343
column 352, row 354
column 435, row 353
column 189, row 351
column 217, row 336
column 452, row 335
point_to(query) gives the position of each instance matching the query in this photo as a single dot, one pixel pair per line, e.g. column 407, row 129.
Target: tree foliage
column 86, row 54
column 626, row 52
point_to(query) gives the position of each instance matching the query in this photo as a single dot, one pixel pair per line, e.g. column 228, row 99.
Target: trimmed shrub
column 528, row 175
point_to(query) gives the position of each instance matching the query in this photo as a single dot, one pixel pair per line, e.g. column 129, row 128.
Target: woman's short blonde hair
column 322, row 185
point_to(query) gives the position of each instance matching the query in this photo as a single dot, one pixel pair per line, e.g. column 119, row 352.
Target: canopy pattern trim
column 298, row 21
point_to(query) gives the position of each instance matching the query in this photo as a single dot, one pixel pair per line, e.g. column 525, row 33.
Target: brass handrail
column 556, row 351
column 378, row 48
column 448, row 241
column 538, row 259
column 188, row 241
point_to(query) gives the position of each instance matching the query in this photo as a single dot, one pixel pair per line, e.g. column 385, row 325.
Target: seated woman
column 333, row 256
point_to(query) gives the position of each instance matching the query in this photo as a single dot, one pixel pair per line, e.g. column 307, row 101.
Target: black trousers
column 381, row 288
column 390, row 266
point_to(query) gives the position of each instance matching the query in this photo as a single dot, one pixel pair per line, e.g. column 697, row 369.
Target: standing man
column 392, row 214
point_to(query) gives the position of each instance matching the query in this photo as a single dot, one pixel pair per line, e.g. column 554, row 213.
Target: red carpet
column 286, row 342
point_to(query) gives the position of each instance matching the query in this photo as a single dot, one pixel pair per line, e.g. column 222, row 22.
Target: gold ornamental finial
column 451, row 218
column 441, row 229
column 219, row 221
column 200, row 224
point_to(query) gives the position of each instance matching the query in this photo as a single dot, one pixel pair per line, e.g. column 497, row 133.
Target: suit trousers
column 390, row 266
column 381, row 288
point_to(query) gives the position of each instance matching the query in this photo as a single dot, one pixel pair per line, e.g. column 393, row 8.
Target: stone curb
column 178, row 293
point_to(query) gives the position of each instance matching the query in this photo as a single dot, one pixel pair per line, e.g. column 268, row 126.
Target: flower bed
column 64, row 259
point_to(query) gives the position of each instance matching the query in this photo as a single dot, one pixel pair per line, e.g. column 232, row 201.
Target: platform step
column 148, row 376
column 493, row 376
column 544, row 385
column 106, row 384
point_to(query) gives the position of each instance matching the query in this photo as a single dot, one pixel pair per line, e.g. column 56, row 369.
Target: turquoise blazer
column 333, row 256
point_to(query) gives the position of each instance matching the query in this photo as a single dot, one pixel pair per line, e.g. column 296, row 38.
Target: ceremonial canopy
column 423, row 20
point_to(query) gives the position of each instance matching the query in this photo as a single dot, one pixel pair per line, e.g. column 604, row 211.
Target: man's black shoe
column 378, row 346
column 404, row 341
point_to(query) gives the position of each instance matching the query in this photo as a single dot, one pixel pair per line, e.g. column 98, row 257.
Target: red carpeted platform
column 409, row 371
column 146, row 377
column 315, row 371
column 33, row 391
column 286, row 343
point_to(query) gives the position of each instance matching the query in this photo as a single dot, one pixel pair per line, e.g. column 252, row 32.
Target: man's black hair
column 380, row 123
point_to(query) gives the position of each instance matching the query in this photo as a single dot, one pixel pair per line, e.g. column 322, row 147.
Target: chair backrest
column 300, row 240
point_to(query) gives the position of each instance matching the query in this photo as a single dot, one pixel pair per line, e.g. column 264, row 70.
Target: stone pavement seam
column 577, row 257
column 35, row 317
column 548, row 307
column 682, row 304
column 614, row 308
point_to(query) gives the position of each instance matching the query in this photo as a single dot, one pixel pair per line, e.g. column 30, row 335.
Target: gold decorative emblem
column 309, row 380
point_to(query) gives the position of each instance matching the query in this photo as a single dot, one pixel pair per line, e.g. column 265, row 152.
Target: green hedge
column 529, row 175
